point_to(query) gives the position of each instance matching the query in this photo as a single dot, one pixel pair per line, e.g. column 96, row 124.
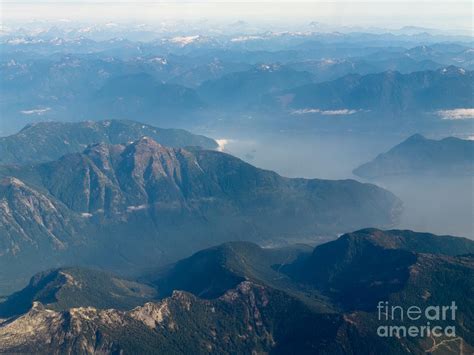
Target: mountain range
column 141, row 94
column 261, row 300
column 331, row 69
column 391, row 92
column 244, row 88
column 119, row 237
column 418, row 155
column 170, row 88
column 142, row 204
column 46, row 141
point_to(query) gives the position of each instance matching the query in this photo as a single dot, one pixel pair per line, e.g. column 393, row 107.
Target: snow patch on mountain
column 184, row 40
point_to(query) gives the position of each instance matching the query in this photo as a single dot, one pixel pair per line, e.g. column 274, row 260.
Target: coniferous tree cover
column 226, row 177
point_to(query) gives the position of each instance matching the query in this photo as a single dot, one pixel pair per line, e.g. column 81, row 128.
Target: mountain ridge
column 46, row 141
column 111, row 194
column 258, row 314
column 389, row 91
column 418, row 155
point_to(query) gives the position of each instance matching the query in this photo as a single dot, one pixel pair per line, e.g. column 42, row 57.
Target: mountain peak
column 373, row 260
column 11, row 181
column 37, row 306
column 415, row 242
column 452, row 70
column 147, row 141
column 420, row 156
column 416, row 137
column 144, row 147
column 100, row 148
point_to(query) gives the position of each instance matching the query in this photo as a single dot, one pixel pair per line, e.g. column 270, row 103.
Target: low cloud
column 222, row 143
column 457, row 114
column 37, row 111
column 341, row 112
column 136, row 208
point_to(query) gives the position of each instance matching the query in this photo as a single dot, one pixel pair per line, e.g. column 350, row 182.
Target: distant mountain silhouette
column 390, row 91
column 418, row 155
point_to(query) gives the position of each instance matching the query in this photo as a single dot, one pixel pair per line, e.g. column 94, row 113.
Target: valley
column 236, row 178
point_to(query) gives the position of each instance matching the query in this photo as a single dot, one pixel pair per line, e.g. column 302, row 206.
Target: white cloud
column 136, row 208
column 394, row 14
column 37, row 111
column 341, row 112
column 457, row 114
column 222, row 143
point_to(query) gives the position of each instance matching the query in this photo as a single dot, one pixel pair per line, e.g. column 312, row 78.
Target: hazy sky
column 435, row 14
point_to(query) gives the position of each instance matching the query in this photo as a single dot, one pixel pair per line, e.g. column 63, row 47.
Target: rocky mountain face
column 69, row 287
column 31, row 217
column 418, row 155
column 46, row 141
column 153, row 204
column 274, row 306
column 391, row 91
column 249, row 318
